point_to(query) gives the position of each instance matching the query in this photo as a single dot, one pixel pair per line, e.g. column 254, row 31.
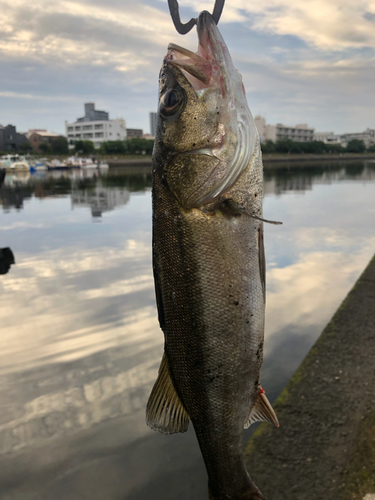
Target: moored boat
column 57, row 165
column 14, row 162
column 38, row 166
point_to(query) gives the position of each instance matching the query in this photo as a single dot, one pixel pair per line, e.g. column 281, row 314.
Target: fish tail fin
column 253, row 493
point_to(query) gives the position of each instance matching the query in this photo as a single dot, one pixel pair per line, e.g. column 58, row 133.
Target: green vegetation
column 25, row 147
column 315, row 147
column 113, row 147
column 359, row 475
column 84, row 147
column 135, row 146
column 44, row 148
column 138, row 146
column 355, row 146
column 59, row 145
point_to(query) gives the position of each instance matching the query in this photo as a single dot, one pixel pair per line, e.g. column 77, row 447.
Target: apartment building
column 95, row 126
column 298, row 133
column 368, row 137
column 329, row 138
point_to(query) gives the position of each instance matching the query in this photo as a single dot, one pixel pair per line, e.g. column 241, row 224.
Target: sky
column 302, row 61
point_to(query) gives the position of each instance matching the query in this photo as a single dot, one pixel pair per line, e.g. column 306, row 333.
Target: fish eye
column 171, row 102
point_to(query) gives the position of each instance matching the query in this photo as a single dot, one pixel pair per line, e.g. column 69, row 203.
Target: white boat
column 76, row 162
column 88, row 163
column 56, row 165
column 38, row 165
column 14, row 162
column 73, row 162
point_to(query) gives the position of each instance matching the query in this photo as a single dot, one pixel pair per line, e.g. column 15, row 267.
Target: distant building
column 10, row 139
column 368, row 137
column 298, row 133
column 148, row 136
column 95, row 126
column 134, row 132
column 41, row 137
column 33, row 130
column 329, row 138
column 153, row 124
column 92, row 114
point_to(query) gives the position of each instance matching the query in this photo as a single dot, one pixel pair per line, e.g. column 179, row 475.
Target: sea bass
column 208, row 259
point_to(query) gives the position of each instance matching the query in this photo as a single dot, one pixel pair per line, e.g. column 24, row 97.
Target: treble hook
column 185, row 28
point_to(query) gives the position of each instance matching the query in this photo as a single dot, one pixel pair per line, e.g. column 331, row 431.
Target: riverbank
column 269, row 160
column 325, row 446
column 277, row 158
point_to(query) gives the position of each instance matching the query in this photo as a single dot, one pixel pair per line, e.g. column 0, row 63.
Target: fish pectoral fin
column 262, row 411
column 238, row 209
column 165, row 412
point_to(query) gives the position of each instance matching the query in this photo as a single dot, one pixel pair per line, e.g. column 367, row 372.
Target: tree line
column 135, row 146
column 138, row 146
column 59, row 146
column 314, row 147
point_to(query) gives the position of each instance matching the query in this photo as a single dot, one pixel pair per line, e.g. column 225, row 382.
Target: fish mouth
column 212, row 66
column 202, row 68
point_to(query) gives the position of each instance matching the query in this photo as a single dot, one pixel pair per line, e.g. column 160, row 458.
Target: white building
column 330, row 138
column 368, row 137
column 95, row 126
column 299, row 133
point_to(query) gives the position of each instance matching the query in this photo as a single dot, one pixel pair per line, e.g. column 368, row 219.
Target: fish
column 208, row 260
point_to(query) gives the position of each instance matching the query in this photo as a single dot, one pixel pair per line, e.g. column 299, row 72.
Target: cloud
column 72, row 33
column 297, row 58
column 327, row 25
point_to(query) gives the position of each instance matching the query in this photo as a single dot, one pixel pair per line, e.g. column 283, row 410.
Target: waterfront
column 80, row 340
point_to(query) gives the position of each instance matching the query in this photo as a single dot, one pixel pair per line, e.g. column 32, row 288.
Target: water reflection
column 80, row 340
column 87, row 188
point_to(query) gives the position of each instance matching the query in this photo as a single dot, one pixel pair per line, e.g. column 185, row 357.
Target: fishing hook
column 185, row 28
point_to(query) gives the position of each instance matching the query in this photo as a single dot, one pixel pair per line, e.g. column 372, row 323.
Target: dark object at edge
column 2, row 175
column 6, row 259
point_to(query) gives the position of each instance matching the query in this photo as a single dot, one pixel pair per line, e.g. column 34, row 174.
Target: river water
column 80, row 341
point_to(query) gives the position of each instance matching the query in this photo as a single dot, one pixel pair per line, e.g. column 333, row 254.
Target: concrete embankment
column 281, row 158
column 325, row 446
column 129, row 162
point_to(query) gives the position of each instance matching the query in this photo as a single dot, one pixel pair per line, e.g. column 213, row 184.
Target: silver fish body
column 208, row 259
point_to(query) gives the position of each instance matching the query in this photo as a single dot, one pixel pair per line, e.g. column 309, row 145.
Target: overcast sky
column 302, row 61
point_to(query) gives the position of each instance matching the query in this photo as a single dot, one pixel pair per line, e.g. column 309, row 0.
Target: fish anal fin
column 165, row 412
column 262, row 411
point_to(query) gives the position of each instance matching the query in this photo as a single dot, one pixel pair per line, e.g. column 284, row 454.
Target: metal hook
column 185, row 28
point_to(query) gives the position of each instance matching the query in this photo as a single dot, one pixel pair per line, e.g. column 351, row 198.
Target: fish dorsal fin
column 262, row 411
column 165, row 412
